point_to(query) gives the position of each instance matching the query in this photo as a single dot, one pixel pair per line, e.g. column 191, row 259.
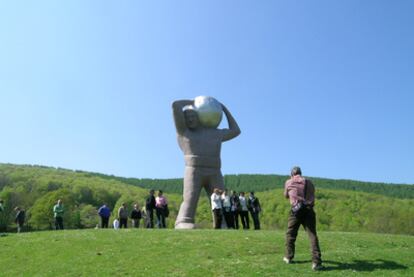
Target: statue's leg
column 215, row 181
column 191, row 193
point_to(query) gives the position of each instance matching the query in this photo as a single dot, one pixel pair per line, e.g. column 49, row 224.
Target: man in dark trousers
column 58, row 211
column 301, row 194
column 20, row 218
column 136, row 216
column 104, row 212
column 235, row 208
column 150, row 206
column 255, row 209
column 123, row 216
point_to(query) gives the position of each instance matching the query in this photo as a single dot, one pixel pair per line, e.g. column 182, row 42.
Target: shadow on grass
column 362, row 265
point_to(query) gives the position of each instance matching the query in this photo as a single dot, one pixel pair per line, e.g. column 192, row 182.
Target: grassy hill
column 199, row 253
column 37, row 188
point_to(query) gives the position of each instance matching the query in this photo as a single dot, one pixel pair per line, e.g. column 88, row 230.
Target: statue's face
column 191, row 119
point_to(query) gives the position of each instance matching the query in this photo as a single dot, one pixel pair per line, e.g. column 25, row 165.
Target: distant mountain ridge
column 264, row 182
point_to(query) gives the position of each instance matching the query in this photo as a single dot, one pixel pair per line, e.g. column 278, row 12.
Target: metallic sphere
column 209, row 111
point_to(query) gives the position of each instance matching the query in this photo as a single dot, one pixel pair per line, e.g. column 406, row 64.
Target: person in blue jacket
column 104, row 212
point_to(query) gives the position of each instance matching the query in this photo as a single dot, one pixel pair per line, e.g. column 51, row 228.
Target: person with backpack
column 301, row 194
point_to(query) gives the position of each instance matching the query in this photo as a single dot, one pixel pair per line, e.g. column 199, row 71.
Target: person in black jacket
column 136, row 216
column 235, row 208
column 150, row 207
column 254, row 207
column 20, row 218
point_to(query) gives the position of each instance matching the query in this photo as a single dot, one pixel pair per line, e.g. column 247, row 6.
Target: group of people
column 231, row 207
column 158, row 204
column 19, row 218
column 301, row 194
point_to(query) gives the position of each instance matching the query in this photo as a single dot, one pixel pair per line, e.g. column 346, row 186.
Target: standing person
column 149, row 207
column 160, row 206
column 235, row 208
column 1, row 210
column 20, row 218
column 216, row 207
column 123, row 216
column 58, row 211
column 201, row 146
column 104, row 212
column 244, row 211
column 228, row 216
column 255, row 209
column 301, row 194
column 136, row 216
column 145, row 217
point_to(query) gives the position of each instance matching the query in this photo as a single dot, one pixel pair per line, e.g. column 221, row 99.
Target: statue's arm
column 234, row 129
column 178, row 114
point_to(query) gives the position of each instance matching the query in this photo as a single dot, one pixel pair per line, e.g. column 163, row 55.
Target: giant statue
column 200, row 140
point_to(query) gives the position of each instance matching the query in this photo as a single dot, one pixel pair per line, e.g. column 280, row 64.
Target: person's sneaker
column 286, row 260
column 316, row 266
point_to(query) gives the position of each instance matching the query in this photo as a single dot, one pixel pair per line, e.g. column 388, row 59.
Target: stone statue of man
column 201, row 146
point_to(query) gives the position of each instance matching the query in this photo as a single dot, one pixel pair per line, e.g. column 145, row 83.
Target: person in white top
column 244, row 213
column 228, row 216
column 216, row 207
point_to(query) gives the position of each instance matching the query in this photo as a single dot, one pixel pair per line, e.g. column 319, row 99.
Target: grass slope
column 199, row 253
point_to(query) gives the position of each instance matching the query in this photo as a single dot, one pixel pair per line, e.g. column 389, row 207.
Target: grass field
column 199, row 253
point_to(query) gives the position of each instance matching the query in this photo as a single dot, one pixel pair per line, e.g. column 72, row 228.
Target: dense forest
column 341, row 205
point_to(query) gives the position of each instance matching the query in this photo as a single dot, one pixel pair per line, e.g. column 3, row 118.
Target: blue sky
column 327, row 85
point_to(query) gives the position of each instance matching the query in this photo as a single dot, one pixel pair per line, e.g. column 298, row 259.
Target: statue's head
column 191, row 117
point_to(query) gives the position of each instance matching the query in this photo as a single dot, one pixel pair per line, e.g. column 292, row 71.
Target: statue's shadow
column 361, row 265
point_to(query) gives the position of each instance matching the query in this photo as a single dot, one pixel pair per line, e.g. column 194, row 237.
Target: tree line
column 260, row 183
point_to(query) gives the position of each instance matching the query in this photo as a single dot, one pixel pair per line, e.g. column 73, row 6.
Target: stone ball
column 209, row 110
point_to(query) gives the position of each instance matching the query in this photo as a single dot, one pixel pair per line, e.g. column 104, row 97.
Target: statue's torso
column 201, row 147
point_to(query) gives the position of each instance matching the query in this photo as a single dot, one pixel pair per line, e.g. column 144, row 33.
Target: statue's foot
column 184, row 225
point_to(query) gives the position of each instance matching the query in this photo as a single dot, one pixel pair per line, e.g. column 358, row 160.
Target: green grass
column 199, row 253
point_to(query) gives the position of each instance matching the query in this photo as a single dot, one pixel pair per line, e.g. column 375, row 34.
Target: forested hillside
column 257, row 183
column 37, row 188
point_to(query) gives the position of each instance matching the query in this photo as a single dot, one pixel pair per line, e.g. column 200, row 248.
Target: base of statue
column 185, row 226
